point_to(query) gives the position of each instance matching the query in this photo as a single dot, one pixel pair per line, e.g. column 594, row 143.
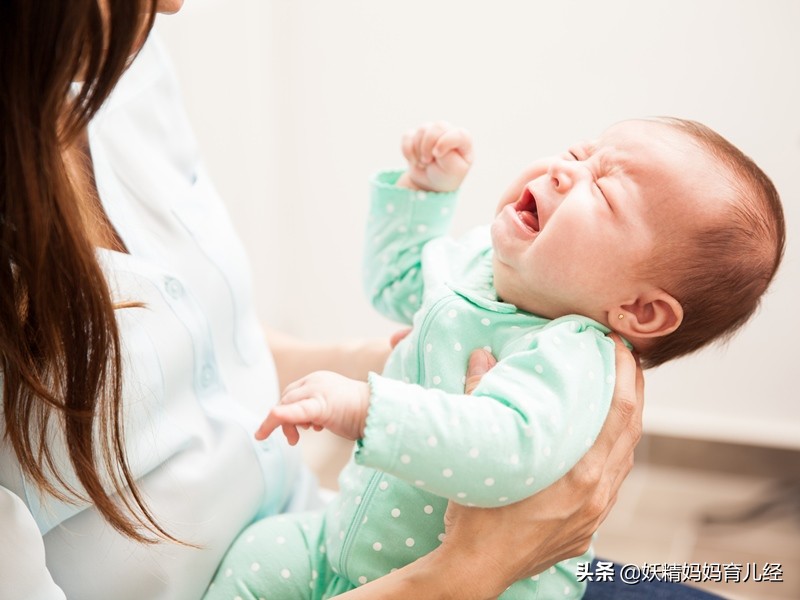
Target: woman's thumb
column 480, row 362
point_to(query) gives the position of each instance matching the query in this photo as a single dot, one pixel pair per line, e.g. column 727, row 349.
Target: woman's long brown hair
column 60, row 353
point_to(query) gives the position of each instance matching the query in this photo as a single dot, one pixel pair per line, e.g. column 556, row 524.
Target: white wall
column 297, row 102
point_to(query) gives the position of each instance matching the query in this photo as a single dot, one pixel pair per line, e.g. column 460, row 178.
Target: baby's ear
column 653, row 314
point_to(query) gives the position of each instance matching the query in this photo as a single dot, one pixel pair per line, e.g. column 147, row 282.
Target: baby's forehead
column 652, row 149
column 661, row 170
column 630, row 139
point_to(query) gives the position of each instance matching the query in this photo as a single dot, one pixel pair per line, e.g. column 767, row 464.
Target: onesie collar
column 486, row 299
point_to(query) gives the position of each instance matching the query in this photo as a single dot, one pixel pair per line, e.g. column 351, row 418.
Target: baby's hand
column 439, row 157
column 320, row 400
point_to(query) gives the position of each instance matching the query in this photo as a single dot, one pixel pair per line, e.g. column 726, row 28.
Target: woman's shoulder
column 151, row 67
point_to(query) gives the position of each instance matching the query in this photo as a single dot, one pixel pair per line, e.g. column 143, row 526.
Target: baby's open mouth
column 526, row 210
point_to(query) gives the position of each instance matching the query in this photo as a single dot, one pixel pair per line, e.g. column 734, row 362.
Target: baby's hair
column 719, row 273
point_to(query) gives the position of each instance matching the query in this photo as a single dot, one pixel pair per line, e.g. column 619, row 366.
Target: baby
column 659, row 230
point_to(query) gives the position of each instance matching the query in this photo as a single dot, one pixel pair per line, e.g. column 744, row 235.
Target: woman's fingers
column 399, row 336
column 607, row 463
column 480, row 363
column 599, row 473
column 624, row 415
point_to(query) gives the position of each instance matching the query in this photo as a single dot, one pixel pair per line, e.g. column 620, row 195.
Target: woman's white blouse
column 198, row 376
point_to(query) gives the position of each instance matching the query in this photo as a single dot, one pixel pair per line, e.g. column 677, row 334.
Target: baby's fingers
column 416, row 146
column 310, row 411
column 303, row 412
column 454, row 139
column 268, row 426
column 409, row 148
column 432, row 135
column 291, row 433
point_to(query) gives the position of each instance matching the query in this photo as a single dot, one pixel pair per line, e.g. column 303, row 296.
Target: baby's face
column 574, row 232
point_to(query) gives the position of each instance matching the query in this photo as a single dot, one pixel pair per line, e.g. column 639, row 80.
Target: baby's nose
column 562, row 175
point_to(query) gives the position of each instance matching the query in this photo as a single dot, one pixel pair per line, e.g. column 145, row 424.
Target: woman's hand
column 558, row 522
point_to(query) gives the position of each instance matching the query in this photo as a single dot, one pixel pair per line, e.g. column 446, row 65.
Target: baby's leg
column 276, row 558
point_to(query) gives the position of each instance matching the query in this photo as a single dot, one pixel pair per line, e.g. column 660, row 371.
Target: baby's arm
column 409, row 209
column 529, row 420
column 527, row 423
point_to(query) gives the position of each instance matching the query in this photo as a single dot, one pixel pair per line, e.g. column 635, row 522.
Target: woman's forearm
column 431, row 577
column 295, row 358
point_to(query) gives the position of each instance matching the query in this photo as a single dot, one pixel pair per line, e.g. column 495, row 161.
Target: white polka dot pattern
column 531, row 418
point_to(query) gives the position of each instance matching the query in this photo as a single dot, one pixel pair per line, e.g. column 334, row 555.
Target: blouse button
column 206, row 375
column 174, row 288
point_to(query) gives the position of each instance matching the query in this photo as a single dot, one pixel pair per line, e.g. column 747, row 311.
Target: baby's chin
column 504, row 285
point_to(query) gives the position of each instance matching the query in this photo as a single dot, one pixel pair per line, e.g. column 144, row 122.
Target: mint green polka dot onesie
column 527, row 423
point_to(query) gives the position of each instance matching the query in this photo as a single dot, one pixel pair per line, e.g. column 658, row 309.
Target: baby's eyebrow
column 587, row 147
column 607, row 162
column 583, row 149
column 609, row 159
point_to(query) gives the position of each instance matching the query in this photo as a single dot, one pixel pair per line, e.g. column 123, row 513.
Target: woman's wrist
column 295, row 358
column 415, row 580
column 460, row 573
column 357, row 358
column 436, row 576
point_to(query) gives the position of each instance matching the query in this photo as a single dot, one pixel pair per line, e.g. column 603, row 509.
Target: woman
column 133, row 370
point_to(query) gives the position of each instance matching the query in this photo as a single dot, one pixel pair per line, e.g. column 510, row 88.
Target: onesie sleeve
column 401, row 222
column 528, row 422
column 23, row 571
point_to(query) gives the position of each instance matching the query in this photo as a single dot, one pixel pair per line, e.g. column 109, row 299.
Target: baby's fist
column 439, row 157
